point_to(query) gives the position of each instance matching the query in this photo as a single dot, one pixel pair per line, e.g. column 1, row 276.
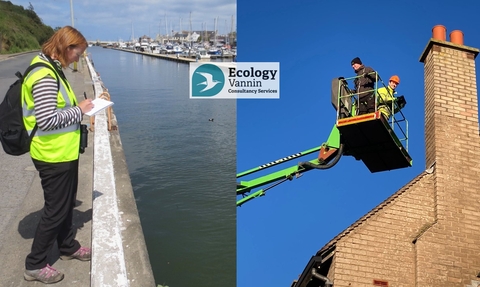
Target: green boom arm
column 329, row 154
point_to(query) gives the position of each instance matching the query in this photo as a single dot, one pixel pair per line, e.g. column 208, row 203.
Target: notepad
column 99, row 104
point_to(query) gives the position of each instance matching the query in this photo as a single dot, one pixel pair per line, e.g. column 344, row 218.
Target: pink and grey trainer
column 84, row 254
column 46, row 275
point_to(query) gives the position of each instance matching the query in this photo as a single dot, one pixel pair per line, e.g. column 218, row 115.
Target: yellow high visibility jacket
column 385, row 99
column 54, row 146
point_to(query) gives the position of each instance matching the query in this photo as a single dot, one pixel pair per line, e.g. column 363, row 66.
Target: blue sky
column 314, row 41
column 111, row 20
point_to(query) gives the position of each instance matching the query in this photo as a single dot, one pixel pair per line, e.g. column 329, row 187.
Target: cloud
column 113, row 19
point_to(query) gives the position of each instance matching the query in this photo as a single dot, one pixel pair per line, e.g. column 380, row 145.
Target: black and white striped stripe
column 281, row 160
column 44, row 93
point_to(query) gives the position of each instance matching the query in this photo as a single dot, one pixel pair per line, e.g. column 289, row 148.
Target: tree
column 32, row 15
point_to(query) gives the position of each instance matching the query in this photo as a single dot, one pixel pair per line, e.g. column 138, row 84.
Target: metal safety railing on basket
column 348, row 100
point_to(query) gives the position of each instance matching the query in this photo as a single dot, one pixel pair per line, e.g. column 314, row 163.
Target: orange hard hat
column 395, row 79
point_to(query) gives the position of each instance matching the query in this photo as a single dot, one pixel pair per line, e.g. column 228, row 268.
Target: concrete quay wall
column 120, row 257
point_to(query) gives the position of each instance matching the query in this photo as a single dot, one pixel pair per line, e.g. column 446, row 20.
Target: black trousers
column 366, row 105
column 59, row 182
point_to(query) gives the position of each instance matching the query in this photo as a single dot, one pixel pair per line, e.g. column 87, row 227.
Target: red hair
column 57, row 45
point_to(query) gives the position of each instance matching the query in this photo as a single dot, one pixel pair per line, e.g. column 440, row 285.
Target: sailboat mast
column 226, row 29
column 231, row 33
column 133, row 35
column 191, row 36
column 215, row 33
column 166, row 29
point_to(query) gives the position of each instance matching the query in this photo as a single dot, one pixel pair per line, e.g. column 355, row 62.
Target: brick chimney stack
column 448, row 253
column 451, row 107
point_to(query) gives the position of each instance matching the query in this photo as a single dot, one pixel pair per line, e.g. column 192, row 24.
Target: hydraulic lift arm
column 329, row 154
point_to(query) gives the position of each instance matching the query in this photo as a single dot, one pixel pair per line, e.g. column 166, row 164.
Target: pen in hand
column 86, row 105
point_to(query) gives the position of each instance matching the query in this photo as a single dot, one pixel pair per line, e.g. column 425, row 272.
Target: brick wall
column 427, row 233
column 381, row 247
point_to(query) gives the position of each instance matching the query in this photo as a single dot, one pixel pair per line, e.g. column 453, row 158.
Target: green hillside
column 21, row 29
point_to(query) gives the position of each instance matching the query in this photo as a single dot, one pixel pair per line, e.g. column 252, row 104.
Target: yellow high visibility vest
column 386, row 96
column 59, row 145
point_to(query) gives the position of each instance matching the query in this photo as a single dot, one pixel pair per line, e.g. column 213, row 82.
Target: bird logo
column 207, row 80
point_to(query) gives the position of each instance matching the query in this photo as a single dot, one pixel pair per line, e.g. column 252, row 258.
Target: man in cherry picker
column 364, row 86
column 386, row 98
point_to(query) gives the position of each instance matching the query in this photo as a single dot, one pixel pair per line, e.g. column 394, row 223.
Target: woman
column 55, row 150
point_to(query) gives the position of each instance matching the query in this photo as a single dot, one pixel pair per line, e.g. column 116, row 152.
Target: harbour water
column 182, row 167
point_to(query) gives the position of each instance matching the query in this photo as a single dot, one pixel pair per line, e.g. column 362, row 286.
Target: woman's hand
column 86, row 106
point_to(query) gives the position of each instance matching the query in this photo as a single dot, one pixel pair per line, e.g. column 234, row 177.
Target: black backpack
column 13, row 135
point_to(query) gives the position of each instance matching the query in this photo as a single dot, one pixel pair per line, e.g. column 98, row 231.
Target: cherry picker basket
column 381, row 143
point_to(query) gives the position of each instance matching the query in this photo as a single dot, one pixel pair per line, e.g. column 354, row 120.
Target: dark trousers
column 59, row 182
column 366, row 104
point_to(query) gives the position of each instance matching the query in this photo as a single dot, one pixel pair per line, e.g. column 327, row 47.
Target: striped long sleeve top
column 44, row 93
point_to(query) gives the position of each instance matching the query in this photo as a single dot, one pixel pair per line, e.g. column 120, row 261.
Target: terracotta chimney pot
column 439, row 33
column 456, row 37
